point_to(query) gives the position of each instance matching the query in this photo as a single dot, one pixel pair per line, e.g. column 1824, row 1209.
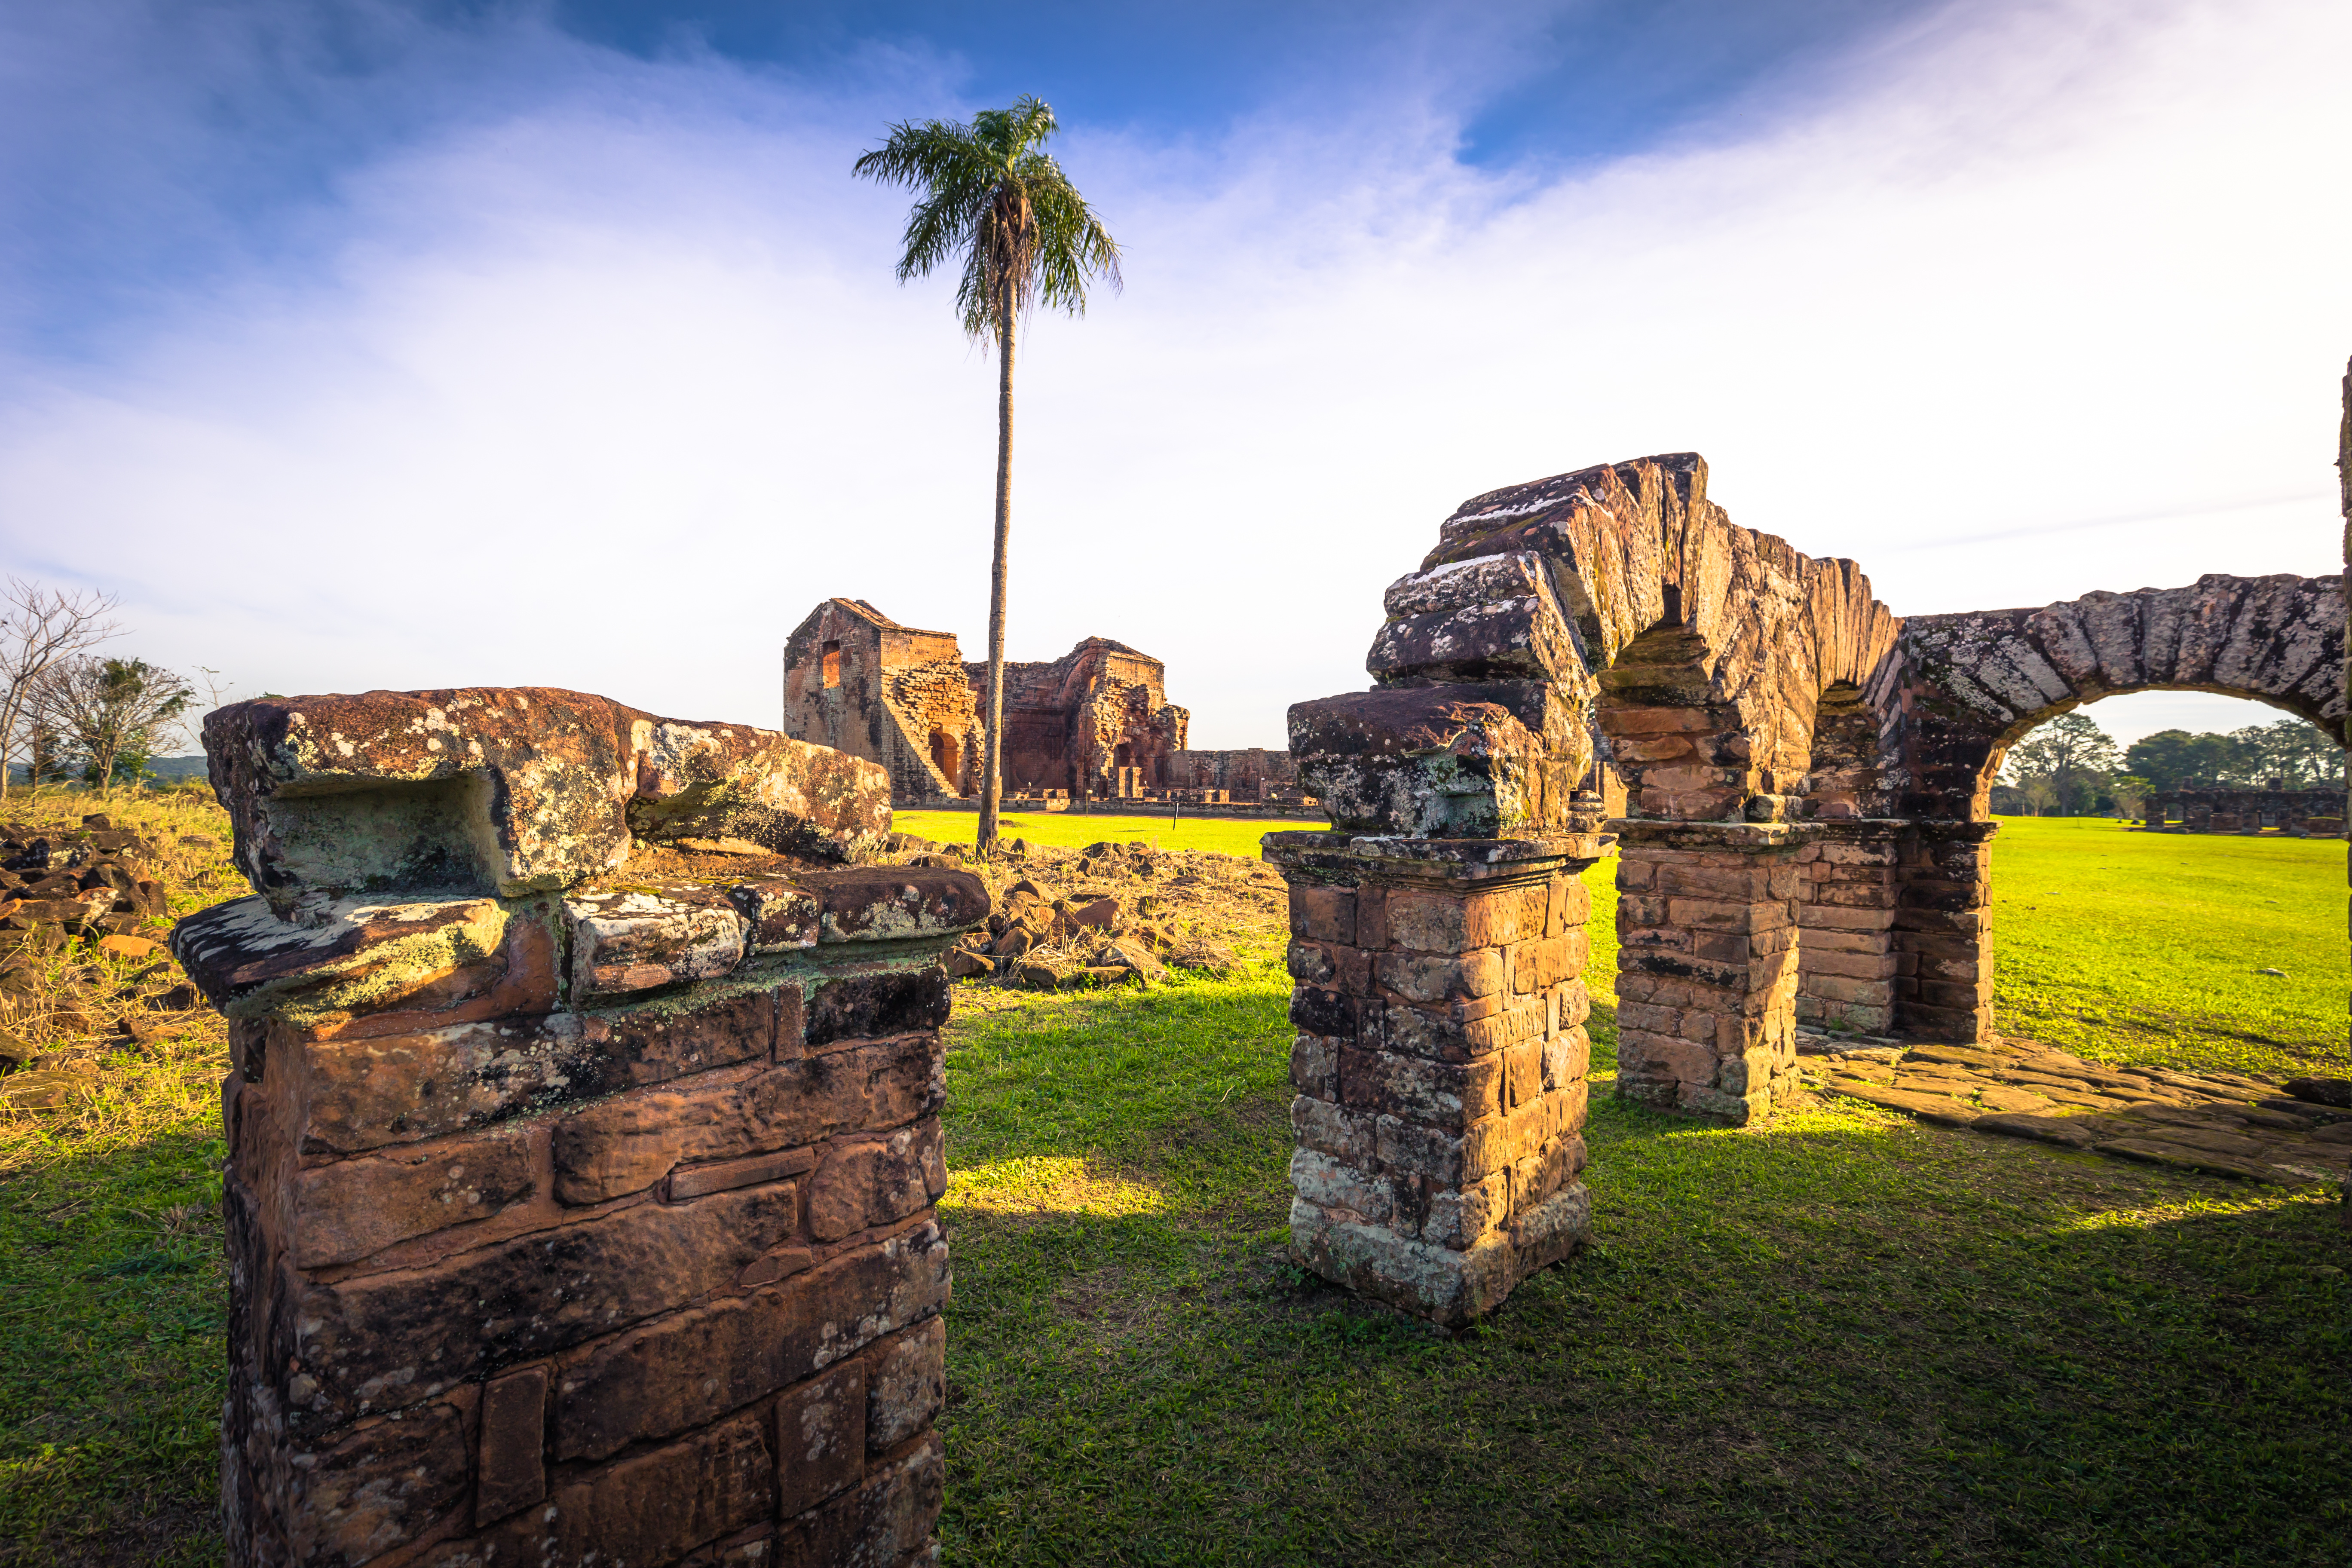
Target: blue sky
column 360, row 344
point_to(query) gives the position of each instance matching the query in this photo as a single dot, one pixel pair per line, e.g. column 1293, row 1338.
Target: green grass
column 2143, row 947
column 1840, row 1337
column 1224, row 835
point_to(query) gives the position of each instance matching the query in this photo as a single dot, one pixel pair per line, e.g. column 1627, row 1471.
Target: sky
column 410, row 343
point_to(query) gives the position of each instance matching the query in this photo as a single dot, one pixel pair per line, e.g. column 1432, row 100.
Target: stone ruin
column 2224, row 808
column 583, row 1139
column 1094, row 724
column 1804, row 836
column 859, row 682
column 582, row 1114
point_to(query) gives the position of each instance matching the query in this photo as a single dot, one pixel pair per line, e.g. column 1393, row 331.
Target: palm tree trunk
column 992, row 791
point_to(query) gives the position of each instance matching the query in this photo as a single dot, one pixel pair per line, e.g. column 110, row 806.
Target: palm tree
column 1024, row 237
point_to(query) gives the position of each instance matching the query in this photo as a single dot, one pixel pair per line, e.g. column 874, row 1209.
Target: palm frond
column 992, row 197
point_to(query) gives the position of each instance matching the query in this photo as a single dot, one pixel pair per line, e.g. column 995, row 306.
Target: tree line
column 69, row 712
column 2071, row 768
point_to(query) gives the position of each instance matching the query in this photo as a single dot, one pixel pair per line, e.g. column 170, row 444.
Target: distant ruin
column 1094, row 724
column 2315, row 813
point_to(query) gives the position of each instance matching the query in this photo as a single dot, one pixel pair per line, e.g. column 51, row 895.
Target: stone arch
column 1973, row 684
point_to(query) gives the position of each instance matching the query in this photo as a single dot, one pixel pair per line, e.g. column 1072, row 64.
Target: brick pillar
column 1441, row 1062
column 1707, row 965
column 1943, row 933
column 582, row 1222
column 1849, row 877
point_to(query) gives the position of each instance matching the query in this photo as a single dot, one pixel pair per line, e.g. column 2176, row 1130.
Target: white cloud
column 606, row 394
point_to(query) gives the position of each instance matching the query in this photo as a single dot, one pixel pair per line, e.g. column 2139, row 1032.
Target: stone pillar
column 1849, row 882
column 1943, row 933
column 1440, row 1067
column 1707, row 965
column 578, row 1209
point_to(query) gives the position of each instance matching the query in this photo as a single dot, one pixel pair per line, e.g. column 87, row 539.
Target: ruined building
column 856, row 681
column 1805, row 833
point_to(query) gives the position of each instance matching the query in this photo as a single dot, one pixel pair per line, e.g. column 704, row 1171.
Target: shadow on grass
column 1842, row 1337
column 111, row 1356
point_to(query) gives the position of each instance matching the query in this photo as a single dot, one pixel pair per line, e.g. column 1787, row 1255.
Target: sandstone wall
column 587, row 1216
column 859, row 682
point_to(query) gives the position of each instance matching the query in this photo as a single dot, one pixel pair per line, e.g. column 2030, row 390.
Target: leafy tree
column 110, row 711
column 995, row 205
column 2298, row 754
column 2071, row 754
column 2291, row 749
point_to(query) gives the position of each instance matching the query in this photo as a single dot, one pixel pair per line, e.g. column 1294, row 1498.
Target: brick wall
column 585, row 1225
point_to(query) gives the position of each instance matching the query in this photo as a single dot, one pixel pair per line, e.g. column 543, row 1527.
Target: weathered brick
column 906, row 1383
column 653, row 1507
column 865, row 1006
column 1322, row 913
column 377, row 1486
column 385, row 1341
column 693, row 1366
column 1435, row 979
column 820, row 1438
column 606, row 1149
column 512, row 1468
column 874, row 1181
column 887, row 1519
column 353, row 1208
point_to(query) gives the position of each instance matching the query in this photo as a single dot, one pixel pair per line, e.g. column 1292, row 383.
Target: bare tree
column 111, row 709
column 38, row 627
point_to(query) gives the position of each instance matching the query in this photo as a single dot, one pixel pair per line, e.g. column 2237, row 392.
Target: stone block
column 887, row 1519
column 820, row 1438
column 1437, row 1033
column 653, row 1507
column 1322, row 1011
column 373, row 1488
column 1339, row 1188
column 744, row 1111
column 730, row 1175
column 906, row 1384
column 1433, row 978
column 894, row 1000
column 891, row 903
column 1448, row 922
column 1314, row 1067
column 782, row 915
column 512, row 1465
column 693, row 1366
column 353, row 1208
column 382, row 1342
column 1441, row 1284
column 1850, row 965
column 1331, row 1130
column 1830, row 916
column 357, row 1094
column 1497, row 759
column 509, row 792
column 1417, row 1089
column 1322, row 913
column 645, row 939
column 877, row 1181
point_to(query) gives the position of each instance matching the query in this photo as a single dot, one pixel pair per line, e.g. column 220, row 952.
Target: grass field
column 1839, row 1337
column 2145, row 947
column 1224, row 835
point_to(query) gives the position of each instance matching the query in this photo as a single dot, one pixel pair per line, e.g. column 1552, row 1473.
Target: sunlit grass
column 1224, row 835
column 2145, row 947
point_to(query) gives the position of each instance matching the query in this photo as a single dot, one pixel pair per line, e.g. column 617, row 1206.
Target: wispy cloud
column 594, row 376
